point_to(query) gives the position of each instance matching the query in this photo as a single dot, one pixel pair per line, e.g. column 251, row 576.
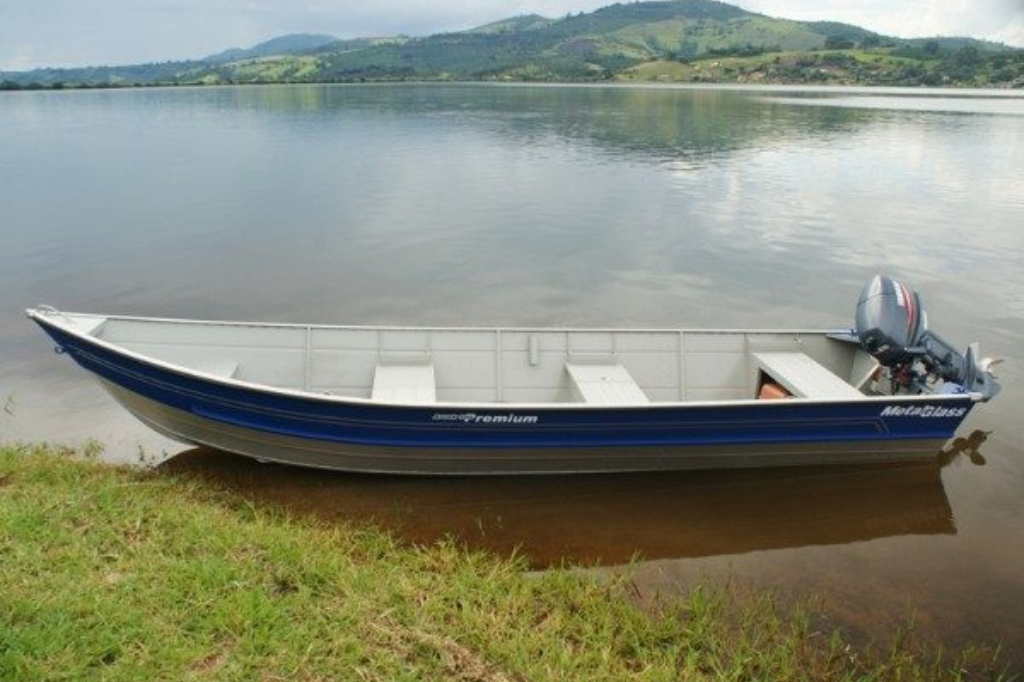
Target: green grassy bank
column 113, row 573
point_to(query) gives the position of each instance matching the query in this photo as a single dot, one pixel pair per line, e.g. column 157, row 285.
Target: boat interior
column 487, row 366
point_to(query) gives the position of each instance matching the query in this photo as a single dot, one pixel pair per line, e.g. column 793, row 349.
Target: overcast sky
column 36, row 33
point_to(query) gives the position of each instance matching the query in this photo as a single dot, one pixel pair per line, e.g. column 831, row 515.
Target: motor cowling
column 890, row 320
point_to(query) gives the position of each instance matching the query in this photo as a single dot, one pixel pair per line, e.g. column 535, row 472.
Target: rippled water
column 564, row 206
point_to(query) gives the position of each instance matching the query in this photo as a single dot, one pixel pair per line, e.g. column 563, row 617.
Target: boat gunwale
column 46, row 318
column 36, row 313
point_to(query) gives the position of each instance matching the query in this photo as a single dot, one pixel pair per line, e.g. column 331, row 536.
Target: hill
column 295, row 43
column 668, row 40
column 521, row 23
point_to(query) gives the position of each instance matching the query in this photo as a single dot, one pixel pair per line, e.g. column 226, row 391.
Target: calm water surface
column 456, row 205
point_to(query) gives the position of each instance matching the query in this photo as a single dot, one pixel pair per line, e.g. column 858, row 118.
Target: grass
column 273, row 69
column 729, row 69
column 877, row 66
column 674, row 35
column 117, row 574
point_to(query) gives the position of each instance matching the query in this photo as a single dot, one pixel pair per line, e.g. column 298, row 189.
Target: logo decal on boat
column 474, row 418
column 925, row 411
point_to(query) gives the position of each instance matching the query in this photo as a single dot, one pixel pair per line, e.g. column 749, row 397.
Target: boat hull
column 265, row 445
column 328, row 432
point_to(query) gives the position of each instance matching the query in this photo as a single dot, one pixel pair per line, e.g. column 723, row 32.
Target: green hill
column 669, row 40
column 521, row 23
column 295, row 43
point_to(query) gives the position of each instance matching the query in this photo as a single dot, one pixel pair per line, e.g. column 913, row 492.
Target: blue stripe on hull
column 541, row 427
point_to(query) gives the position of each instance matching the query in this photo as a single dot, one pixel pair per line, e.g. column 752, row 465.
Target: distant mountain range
column 666, row 41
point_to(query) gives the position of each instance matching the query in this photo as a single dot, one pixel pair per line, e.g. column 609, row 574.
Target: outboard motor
column 893, row 327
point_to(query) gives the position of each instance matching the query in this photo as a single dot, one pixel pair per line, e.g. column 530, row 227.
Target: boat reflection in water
column 965, row 446
column 607, row 520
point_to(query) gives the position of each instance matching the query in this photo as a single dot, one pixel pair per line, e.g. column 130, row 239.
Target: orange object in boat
column 770, row 391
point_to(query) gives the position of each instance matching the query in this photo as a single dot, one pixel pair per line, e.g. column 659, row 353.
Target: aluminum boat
column 430, row 400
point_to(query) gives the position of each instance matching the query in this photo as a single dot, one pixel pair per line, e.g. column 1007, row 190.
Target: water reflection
column 1009, row 105
column 609, row 520
column 965, row 446
column 644, row 123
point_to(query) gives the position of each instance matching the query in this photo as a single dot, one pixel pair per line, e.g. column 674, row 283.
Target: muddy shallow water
column 602, row 520
column 477, row 205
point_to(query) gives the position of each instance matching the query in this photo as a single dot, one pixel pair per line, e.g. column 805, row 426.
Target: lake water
column 574, row 206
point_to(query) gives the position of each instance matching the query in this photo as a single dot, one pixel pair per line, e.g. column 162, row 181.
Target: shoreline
column 852, row 88
column 128, row 574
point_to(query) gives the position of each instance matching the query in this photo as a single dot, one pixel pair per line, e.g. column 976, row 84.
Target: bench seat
column 605, row 384
column 804, row 377
column 412, row 382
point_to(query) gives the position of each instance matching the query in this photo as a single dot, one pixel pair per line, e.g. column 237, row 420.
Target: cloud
column 85, row 32
column 999, row 20
column 19, row 59
column 81, row 32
